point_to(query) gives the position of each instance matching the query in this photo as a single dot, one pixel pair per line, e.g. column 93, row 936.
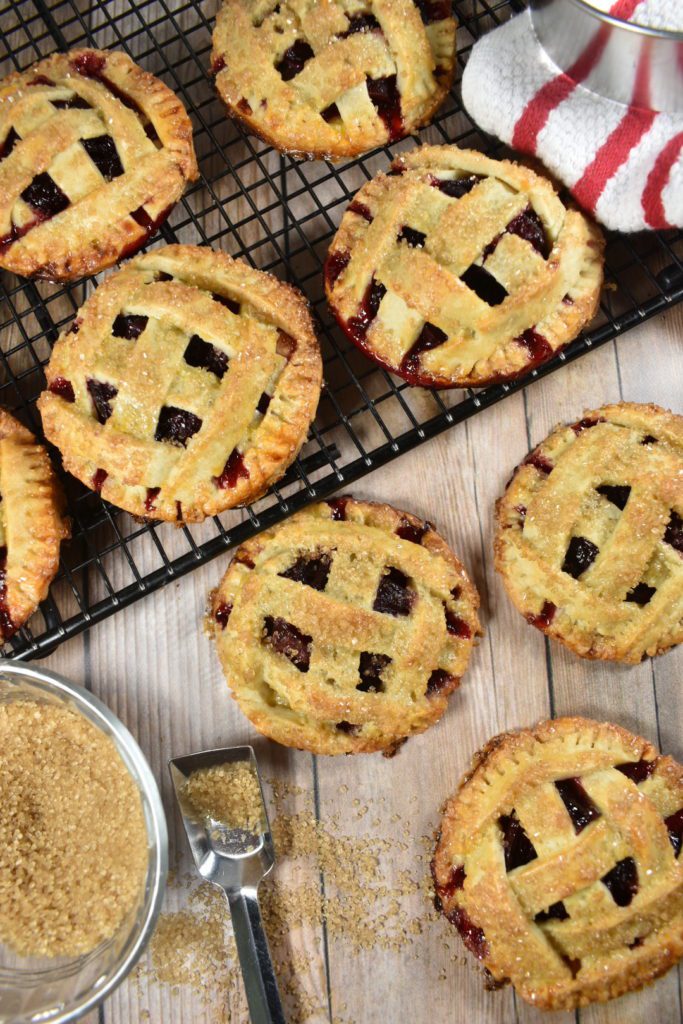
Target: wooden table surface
column 156, row 669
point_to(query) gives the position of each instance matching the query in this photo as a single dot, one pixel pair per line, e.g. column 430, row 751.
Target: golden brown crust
column 149, row 158
column 549, row 923
column 489, row 229
column 614, row 479
column 249, row 381
column 32, row 524
column 363, row 678
column 335, row 56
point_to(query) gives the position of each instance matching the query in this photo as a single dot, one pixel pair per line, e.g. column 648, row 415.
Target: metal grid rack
column 280, row 215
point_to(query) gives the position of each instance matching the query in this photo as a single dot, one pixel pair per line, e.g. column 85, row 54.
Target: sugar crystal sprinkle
column 228, row 793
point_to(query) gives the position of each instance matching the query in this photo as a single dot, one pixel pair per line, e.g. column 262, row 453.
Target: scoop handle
column 257, row 967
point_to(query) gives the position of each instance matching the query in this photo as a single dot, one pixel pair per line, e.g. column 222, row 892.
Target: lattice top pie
column 590, row 533
column 345, row 629
column 559, row 862
column 94, row 153
column 337, row 78
column 456, row 270
column 185, row 386
column 32, row 525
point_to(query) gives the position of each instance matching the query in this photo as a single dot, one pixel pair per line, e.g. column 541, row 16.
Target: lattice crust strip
column 94, row 152
column 333, row 79
column 590, row 533
column 345, row 629
column 185, row 385
column 559, row 861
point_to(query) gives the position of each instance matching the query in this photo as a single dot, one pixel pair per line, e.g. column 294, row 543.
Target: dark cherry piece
column 415, row 239
column 386, row 99
column 637, row 771
column 263, row 403
column 335, row 264
column 641, row 594
column 218, row 65
column 434, row 10
column 581, row 554
column 201, row 354
column 286, row 639
column 285, row 345
column 129, row 326
column 98, row 479
column 429, row 337
column 517, row 847
column 456, row 626
column 617, row 495
column 233, row 471
column 361, row 23
column 539, row 462
column 567, row 300
column 362, row 210
column 45, row 196
column 222, row 614
column 539, row 347
column 10, row 142
column 311, row 570
column 338, row 506
column 580, row 807
column 456, row 188
column 104, row 154
column 370, row 671
column 471, row 935
column 586, row 424
column 555, row 912
column 292, row 61
column 674, row 824
column 73, row 103
column 348, row 727
column 7, row 627
column 484, row 285
column 529, row 226
column 367, row 311
column 441, row 681
column 76, row 326
column 102, row 395
column 231, row 304
column 152, row 495
column 415, row 534
column 331, row 113
column 673, row 534
column 649, row 439
column 176, row 425
column 544, row 617
column 394, row 595
column 456, row 881
column 64, row 388
column 573, row 965
column 243, row 559
column 90, row 65
column 148, row 224
column 622, row 881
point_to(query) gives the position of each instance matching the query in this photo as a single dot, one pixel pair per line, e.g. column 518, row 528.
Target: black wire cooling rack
column 280, row 215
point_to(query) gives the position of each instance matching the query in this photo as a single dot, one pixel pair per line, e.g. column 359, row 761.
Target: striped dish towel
column 623, row 164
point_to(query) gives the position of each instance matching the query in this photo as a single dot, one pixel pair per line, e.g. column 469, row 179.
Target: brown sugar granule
column 228, row 793
column 73, row 844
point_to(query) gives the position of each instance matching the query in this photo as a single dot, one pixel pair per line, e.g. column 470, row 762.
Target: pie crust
column 185, row 386
column 456, row 270
column 333, row 79
column 589, row 534
column 344, row 629
column 32, row 524
column 559, row 862
column 94, row 153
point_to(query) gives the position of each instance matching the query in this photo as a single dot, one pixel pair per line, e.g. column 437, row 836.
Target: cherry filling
column 641, row 594
column 674, row 825
column 441, row 681
column 415, row 239
column 231, row 304
column 386, row 100
column 637, row 771
column 90, row 65
column 286, row 639
column 62, row 387
column 148, row 224
column 573, row 964
column 456, row 881
column 539, row 348
column 244, row 559
column 529, row 226
column 581, row 554
column 102, row 395
column 285, row 345
column 617, row 495
column 415, row 534
column 152, row 495
column 555, row 912
column 233, row 471
column 103, row 153
column 222, row 614
column 471, row 935
column 218, row 65
column 45, row 196
column 129, row 326
column 362, row 210
column 484, row 285
column 73, row 103
column 580, row 807
column 622, row 881
column 176, row 426
column 7, row 627
column 673, row 534
column 370, row 671
column 649, row 439
column 456, row 626
column 394, row 595
column 367, row 311
column 429, row 337
column 263, row 403
column 331, row 113
column 586, row 424
column 517, row 847
column 544, row 617
column 539, row 462
column 456, row 187
column 292, row 61
column 361, row 23
column 10, row 142
column 313, row 571
column 338, row 507
column 335, row 265
column 98, row 480
column 205, row 356
column 348, row 727
column 434, row 10
column 76, row 326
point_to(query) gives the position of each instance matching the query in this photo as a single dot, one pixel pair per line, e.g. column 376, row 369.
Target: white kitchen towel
column 622, row 163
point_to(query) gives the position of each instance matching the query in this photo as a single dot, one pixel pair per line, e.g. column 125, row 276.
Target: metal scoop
column 236, row 861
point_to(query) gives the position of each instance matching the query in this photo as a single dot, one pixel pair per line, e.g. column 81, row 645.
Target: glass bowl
column 57, row 990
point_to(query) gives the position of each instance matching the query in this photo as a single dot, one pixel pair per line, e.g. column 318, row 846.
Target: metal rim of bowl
column 645, row 30
column 131, row 754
